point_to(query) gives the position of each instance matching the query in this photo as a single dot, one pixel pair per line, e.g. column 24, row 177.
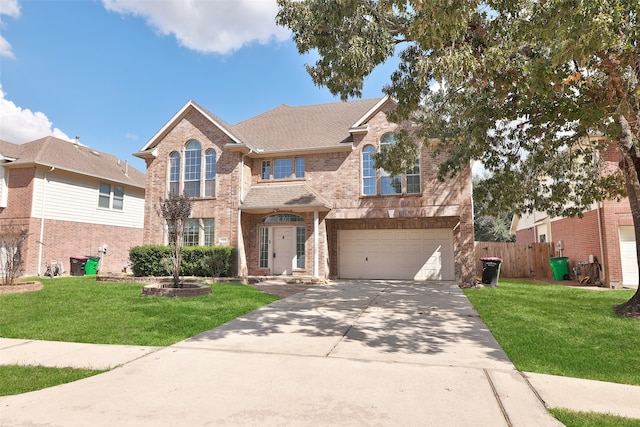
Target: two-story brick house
column 71, row 200
column 294, row 192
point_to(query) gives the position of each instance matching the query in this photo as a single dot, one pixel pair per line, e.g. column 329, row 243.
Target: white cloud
column 12, row 9
column 220, row 26
column 20, row 125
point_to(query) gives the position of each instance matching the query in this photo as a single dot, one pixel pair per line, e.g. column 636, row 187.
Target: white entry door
column 283, row 250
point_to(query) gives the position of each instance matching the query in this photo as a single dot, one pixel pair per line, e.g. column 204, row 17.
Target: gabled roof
column 286, row 128
column 312, row 126
column 72, row 157
column 290, row 197
column 188, row 107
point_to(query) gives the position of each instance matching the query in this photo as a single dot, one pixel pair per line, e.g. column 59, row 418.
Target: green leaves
column 521, row 84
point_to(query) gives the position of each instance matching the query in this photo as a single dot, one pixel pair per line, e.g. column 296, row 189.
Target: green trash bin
column 559, row 267
column 91, row 267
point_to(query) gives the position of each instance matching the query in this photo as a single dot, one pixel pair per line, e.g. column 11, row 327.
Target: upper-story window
column 407, row 183
column 110, row 196
column 192, row 169
column 210, row 173
column 368, row 171
column 287, row 168
column 174, row 173
column 195, row 175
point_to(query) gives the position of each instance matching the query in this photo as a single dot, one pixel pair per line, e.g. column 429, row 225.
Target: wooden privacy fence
column 518, row 259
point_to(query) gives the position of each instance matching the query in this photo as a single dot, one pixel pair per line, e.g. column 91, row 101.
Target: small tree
column 11, row 255
column 175, row 210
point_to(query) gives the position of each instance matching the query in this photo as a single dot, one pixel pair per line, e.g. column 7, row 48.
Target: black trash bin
column 490, row 270
column 78, row 264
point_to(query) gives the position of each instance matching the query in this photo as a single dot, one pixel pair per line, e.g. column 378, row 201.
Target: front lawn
column 22, row 379
column 559, row 330
column 80, row 309
column 592, row 419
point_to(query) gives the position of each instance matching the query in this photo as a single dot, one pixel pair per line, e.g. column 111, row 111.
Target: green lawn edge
column 562, row 330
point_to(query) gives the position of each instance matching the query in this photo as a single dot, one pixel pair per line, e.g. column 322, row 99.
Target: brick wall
column 64, row 239
column 16, row 215
column 223, row 208
column 579, row 236
column 335, row 176
column 526, row 236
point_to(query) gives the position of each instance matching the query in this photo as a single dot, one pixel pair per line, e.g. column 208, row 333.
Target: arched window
column 210, row 173
column 406, row 183
column 192, row 168
column 368, row 171
column 174, row 173
column 282, row 217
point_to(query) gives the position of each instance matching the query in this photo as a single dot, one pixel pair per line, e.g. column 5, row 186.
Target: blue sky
column 113, row 72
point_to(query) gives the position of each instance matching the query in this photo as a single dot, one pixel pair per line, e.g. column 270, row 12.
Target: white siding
column 67, row 197
column 3, row 187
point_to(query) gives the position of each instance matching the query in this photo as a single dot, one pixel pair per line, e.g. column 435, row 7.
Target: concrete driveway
column 349, row 353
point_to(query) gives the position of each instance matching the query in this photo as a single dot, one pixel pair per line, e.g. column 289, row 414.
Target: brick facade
column 334, row 175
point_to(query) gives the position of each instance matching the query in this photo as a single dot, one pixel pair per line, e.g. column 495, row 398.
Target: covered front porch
column 283, row 232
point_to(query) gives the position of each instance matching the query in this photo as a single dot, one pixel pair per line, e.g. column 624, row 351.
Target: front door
column 283, row 250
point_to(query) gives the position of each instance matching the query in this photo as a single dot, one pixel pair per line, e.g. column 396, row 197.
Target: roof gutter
column 53, row 167
column 344, row 147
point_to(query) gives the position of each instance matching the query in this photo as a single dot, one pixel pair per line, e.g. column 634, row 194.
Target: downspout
column 602, row 263
column 44, row 195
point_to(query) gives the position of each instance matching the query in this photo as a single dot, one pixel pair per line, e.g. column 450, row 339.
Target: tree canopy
column 523, row 86
column 534, row 89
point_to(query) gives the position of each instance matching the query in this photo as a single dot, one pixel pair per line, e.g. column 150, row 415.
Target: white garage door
column 628, row 256
column 416, row 254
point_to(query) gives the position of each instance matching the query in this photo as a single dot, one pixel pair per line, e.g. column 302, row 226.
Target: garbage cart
column 490, row 270
column 78, row 264
column 91, row 268
column 559, row 268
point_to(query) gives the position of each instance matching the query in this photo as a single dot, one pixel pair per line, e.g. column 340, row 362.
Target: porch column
column 316, row 255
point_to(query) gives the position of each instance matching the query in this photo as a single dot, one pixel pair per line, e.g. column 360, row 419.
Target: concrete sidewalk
column 358, row 353
column 68, row 354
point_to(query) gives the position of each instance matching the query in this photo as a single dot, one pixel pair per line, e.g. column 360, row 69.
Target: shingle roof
column 54, row 152
column 284, row 128
column 312, row 126
column 298, row 196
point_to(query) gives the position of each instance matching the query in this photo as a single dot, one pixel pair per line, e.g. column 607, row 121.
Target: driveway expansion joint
column 366, row 307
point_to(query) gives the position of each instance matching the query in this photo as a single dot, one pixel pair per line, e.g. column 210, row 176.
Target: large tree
column 532, row 88
column 489, row 225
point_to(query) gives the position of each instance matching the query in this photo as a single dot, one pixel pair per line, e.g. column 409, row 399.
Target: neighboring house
column 294, row 192
column 605, row 232
column 72, row 200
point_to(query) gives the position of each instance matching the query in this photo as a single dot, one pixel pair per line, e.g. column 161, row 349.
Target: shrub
column 148, row 260
column 213, row 261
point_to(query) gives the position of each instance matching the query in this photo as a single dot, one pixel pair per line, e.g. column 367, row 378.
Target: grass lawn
column 583, row 419
column 22, row 379
column 80, row 309
column 559, row 330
